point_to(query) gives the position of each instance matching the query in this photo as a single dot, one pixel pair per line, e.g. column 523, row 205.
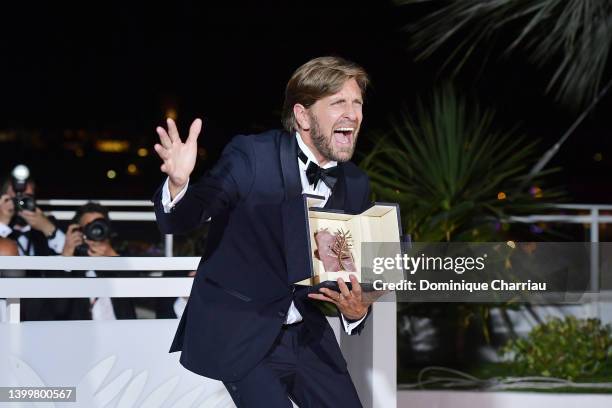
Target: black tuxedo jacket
column 244, row 284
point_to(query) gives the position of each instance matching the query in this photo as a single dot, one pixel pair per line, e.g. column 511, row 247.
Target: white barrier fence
column 15, row 288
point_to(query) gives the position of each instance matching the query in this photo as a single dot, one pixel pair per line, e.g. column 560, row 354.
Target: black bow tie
column 314, row 173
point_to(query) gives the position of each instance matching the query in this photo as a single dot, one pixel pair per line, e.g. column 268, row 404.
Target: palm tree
column 453, row 174
column 573, row 36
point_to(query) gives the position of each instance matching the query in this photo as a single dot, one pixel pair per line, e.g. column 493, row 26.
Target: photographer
column 90, row 234
column 25, row 223
column 35, row 235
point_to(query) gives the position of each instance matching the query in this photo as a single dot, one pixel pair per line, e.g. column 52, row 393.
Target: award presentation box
column 338, row 251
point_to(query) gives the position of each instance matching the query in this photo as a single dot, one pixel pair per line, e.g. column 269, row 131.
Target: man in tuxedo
column 246, row 323
column 33, row 231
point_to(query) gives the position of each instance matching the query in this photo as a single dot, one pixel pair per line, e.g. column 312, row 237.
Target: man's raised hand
column 179, row 158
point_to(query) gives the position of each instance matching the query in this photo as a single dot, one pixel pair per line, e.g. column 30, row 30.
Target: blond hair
column 316, row 79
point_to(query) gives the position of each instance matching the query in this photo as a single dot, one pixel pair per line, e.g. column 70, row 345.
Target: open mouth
column 344, row 135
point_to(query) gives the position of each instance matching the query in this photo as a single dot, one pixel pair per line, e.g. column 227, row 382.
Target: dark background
column 74, row 74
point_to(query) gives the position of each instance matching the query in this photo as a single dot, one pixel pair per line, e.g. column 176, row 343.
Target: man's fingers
column 173, row 131
column 343, row 288
column 194, row 131
column 332, row 294
column 324, row 298
column 163, row 153
column 73, row 231
column 76, row 240
column 163, row 137
column 356, row 286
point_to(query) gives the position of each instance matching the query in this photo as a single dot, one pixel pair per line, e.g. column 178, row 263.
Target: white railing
column 14, row 289
column 59, row 202
column 594, row 219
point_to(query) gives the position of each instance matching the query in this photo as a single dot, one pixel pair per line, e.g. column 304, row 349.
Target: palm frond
column 573, row 36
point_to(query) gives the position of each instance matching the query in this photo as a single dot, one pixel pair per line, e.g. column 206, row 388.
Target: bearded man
column 246, row 323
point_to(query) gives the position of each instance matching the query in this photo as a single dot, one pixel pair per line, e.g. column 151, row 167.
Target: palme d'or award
column 334, row 250
column 334, row 240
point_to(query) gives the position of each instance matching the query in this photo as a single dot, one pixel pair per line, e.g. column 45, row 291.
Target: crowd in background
column 25, row 230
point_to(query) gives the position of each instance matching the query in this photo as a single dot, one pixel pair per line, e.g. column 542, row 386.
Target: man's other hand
column 353, row 304
column 74, row 238
column 38, row 220
column 179, row 158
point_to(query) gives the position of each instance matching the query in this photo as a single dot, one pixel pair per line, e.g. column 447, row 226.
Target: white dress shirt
column 321, row 189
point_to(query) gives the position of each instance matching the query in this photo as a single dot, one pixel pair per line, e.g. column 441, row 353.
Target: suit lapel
column 293, row 212
column 289, row 166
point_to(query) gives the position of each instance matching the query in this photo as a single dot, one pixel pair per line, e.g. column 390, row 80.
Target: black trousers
column 291, row 369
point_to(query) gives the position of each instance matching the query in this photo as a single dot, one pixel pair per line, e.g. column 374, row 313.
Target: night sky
column 71, row 74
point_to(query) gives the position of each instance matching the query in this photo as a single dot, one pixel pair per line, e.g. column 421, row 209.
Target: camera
column 97, row 230
column 24, row 202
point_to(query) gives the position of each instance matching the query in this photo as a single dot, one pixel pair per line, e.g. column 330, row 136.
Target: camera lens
column 97, row 230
